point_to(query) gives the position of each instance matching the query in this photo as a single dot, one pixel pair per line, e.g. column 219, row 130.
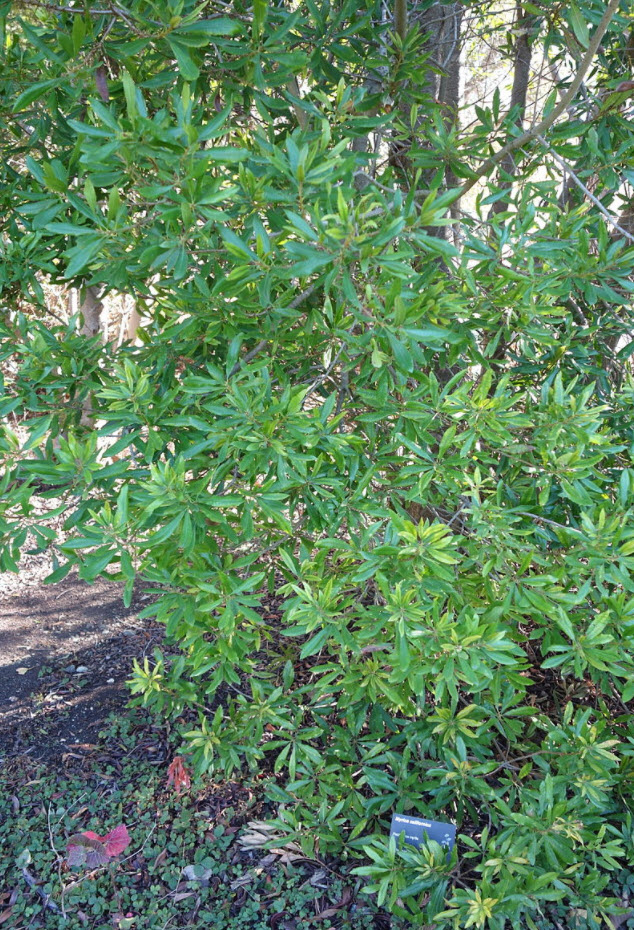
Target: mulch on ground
column 66, row 651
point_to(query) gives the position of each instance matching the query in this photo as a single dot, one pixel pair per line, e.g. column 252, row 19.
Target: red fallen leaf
column 178, row 775
column 92, row 850
column 117, row 840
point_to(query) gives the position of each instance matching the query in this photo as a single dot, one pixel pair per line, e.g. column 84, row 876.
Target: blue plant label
column 418, row 831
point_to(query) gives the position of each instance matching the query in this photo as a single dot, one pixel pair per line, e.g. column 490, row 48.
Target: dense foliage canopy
column 382, row 373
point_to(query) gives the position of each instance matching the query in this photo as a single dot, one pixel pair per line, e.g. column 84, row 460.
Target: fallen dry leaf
column 617, row 920
column 260, row 834
column 178, row 775
column 324, row 915
column 160, row 859
column 246, row 879
column 318, row 878
column 197, row 873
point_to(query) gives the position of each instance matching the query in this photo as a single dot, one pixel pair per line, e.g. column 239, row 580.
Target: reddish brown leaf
column 92, row 850
column 178, row 775
column 101, row 80
column 83, row 849
column 117, row 840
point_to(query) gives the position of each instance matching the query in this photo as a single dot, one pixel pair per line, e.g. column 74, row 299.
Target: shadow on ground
column 66, row 651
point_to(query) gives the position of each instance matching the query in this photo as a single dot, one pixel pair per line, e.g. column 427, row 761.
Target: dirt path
column 65, row 653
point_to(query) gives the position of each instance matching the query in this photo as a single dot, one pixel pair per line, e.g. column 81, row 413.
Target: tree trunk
column 521, row 75
column 449, row 90
column 441, row 24
column 90, row 306
column 88, row 303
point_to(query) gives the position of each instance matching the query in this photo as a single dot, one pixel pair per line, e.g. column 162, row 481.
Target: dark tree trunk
column 521, row 76
column 449, row 90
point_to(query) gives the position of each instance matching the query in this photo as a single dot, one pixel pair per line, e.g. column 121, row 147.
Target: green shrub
column 424, row 450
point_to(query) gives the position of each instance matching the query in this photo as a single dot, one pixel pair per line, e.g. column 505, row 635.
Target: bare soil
column 66, row 651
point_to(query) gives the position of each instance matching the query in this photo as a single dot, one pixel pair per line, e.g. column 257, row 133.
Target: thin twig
column 535, row 516
column 251, row 354
column 564, row 164
column 319, row 380
column 46, row 899
column 59, row 859
column 60, row 8
column 113, row 9
column 50, row 832
column 301, row 297
column 370, row 180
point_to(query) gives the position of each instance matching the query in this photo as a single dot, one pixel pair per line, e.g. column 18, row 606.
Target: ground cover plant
column 381, row 375
column 184, row 863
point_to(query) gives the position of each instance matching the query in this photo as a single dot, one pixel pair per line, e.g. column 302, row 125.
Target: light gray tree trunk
column 89, row 305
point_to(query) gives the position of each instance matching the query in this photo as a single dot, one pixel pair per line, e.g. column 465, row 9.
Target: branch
column 264, row 342
column 540, row 519
column 249, row 356
column 301, row 297
column 585, row 190
column 400, row 18
column 319, row 380
column 555, row 113
column 292, row 89
column 46, row 899
column 60, row 8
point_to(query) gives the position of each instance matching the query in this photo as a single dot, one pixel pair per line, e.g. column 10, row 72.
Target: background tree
column 423, row 442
